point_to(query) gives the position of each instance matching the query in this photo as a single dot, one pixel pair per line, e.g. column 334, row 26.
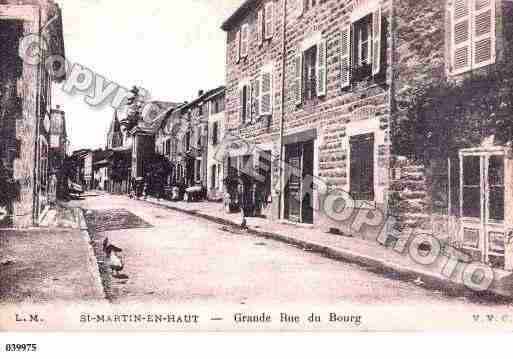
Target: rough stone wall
column 361, row 108
column 422, row 58
column 409, row 199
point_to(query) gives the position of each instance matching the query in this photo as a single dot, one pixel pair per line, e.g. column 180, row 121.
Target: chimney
column 200, row 93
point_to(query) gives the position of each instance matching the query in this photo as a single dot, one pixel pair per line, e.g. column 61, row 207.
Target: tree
column 135, row 104
column 445, row 116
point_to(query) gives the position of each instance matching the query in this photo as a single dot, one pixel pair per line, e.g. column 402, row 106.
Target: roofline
column 217, row 93
column 242, row 10
column 203, row 97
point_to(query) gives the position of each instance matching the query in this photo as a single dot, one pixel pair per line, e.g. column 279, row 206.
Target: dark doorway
column 362, row 167
column 298, row 204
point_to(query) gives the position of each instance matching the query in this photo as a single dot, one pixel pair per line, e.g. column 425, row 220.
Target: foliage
column 445, row 116
column 135, row 103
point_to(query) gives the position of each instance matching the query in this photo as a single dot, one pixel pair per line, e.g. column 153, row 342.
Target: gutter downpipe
column 282, row 119
column 35, row 186
column 391, row 102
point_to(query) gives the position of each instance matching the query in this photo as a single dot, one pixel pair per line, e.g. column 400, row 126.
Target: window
column 361, row 49
column 497, row 189
column 472, row 187
column 309, row 78
column 310, row 73
column 310, row 4
column 213, row 180
column 362, row 167
column 187, row 141
column 266, row 93
column 473, row 34
column 198, row 138
column 269, row 20
column 215, row 134
column 244, row 103
column 255, row 98
column 362, row 35
column 244, row 40
column 168, row 147
column 197, row 175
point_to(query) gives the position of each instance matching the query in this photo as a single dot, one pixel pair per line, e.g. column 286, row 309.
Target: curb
column 431, row 281
column 91, row 257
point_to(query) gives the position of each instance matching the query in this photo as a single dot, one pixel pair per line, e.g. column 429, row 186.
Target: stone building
column 184, row 138
column 403, row 105
column 25, row 108
column 58, row 150
column 214, row 164
column 452, row 122
column 308, row 92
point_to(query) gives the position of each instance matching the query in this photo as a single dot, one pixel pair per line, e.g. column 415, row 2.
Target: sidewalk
column 372, row 255
column 47, row 265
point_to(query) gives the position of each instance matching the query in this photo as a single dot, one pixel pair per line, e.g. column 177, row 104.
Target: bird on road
column 419, row 281
column 115, row 260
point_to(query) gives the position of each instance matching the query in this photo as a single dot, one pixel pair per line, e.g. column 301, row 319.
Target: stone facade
column 216, row 131
column 351, row 118
column 320, row 121
column 26, row 103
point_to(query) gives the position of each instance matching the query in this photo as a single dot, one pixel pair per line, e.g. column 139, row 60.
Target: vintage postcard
column 256, row 165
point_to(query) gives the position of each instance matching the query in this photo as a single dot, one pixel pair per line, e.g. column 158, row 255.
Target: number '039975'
column 20, row 347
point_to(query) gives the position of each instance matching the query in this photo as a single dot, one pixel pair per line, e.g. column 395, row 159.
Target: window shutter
column 269, row 20
column 345, row 57
column 259, row 26
column 249, row 95
column 483, row 33
column 321, row 68
column 298, row 79
column 244, row 40
column 237, row 46
column 256, row 98
column 266, row 94
column 300, row 7
column 376, row 42
column 461, row 51
column 241, row 105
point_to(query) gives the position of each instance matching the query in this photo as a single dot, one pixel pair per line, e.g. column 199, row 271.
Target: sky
column 173, row 48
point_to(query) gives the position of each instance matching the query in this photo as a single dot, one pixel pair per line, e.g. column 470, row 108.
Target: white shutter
column 241, row 105
column 266, row 93
column 376, row 42
column 297, row 91
column 259, row 26
column 461, row 34
column 244, row 40
column 249, row 95
column 300, row 7
column 345, row 57
column 269, row 20
column 237, row 46
column 321, row 68
column 483, row 33
column 256, row 98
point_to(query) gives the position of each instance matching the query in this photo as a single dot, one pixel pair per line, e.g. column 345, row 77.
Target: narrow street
column 175, row 258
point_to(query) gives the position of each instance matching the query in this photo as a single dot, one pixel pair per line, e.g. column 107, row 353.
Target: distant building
column 216, row 125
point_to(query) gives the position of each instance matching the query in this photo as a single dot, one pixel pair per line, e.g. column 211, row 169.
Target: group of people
column 249, row 198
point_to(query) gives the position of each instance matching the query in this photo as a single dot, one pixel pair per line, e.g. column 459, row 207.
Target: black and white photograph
column 255, row 166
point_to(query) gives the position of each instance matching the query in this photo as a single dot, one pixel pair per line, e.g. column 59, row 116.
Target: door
column 293, row 186
column 482, row 205
column 298, row 204
column 362, row 167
